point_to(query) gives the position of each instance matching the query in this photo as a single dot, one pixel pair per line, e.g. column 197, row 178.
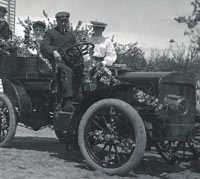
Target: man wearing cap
column 5, row 32
column 54, row 40
column 104, row 50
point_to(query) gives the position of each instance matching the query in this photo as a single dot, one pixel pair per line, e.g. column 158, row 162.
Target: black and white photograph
column 99, row 89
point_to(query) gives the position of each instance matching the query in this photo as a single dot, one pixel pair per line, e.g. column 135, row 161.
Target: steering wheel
column 80, row 49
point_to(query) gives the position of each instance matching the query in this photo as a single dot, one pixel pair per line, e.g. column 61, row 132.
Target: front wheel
column 112, row 136
column 7, row 121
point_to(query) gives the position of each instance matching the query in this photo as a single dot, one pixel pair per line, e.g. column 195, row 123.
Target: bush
column 131, row 55
column 182, row 59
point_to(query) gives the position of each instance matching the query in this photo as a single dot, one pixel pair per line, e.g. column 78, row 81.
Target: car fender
column 18, row 96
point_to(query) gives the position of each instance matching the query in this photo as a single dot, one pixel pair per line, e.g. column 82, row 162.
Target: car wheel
column 112, row 137
column 179, row 151
column 7, row 121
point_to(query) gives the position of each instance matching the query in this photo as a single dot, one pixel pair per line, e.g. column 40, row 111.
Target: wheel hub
column 107, row 137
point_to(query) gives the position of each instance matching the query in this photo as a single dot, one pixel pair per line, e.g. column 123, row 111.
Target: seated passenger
column 38, row 33
column 104, row 50
column 5, row 32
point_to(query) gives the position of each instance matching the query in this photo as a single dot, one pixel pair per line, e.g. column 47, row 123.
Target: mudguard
column 19, row 98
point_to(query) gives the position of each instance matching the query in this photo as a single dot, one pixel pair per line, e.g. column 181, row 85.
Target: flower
column 147, row 99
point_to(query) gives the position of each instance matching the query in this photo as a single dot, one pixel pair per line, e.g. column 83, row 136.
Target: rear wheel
column 7, row 121
column 112, row 137
column 178, row 151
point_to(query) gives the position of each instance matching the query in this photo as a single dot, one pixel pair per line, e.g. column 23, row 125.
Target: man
column 54, row 40
column 5, row 32
column 104, row 50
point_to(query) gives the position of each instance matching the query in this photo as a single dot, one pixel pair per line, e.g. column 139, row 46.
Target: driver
column 55, row 39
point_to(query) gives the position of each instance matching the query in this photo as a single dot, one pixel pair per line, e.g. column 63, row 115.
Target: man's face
column 62, row 23
column 38, row 31
column 2, row 14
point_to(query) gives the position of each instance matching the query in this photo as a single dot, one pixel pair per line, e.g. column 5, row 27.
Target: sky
column 149, row 22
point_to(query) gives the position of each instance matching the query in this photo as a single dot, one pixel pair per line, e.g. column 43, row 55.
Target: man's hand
column 57, row 55
column 103, row 63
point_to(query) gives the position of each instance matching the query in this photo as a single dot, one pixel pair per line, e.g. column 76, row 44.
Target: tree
column 192, row 23
column 183, row 59
column 131, row 55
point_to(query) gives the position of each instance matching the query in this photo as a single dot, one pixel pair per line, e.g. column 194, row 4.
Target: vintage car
column 112, row 124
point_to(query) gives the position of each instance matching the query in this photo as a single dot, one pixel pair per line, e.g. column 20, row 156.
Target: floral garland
column 97, row 69
column 108, row 79
column 26, row 47
column 22, row 49
column 29, row 47
column 148, row 100
column 16, row 43
column 105, row 75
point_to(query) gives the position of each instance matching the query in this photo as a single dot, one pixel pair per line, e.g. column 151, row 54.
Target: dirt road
column 38, row 155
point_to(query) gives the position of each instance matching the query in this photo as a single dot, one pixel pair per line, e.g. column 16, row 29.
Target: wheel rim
column 181, row 151
column 109, row 137
column 4, row 121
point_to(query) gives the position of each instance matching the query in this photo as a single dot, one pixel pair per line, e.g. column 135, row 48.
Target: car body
column 112, row 124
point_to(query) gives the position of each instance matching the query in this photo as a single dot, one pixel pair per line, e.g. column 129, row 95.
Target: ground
column 38, row 155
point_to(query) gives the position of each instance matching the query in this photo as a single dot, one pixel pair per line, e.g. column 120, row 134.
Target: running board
column 62, row 120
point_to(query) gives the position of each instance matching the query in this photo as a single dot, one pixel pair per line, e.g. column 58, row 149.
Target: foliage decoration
column 104, row 74
column 129, row 54
column 147, row 99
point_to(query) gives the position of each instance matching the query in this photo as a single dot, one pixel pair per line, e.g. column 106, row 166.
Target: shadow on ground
column 195, row 166
column 45, row 144
column 155, row 166
column 150, row 165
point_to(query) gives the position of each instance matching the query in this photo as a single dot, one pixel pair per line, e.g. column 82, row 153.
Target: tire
column 178, row 151
column 8, row 122
column 60, row 136
column 165, row 152
column 132, row 125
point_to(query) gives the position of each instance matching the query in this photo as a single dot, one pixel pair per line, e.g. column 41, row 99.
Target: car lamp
column 177, row 104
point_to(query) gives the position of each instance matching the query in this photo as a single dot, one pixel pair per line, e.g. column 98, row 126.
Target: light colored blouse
column 103, row 48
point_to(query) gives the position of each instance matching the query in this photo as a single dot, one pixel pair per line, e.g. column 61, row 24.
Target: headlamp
column 177, row 104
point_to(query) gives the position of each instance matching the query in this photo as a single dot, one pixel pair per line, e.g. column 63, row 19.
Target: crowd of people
column 48, row 42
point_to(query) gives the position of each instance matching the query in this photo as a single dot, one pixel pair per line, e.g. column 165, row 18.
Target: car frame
column 113, row 124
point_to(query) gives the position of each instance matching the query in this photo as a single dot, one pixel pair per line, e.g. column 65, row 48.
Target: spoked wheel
column 7, row 121
column 112, row 136
column 178, row 151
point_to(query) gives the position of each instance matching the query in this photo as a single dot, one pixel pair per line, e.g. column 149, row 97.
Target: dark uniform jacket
column 5, row 32
column 54, row 39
